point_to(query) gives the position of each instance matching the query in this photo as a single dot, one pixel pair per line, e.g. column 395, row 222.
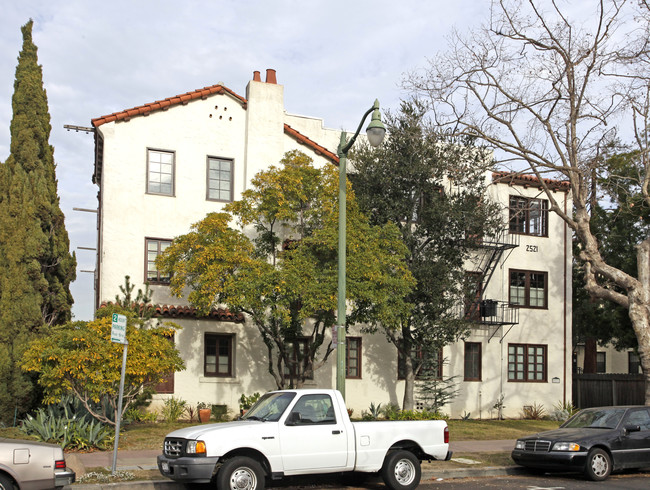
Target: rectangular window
column 526, row 363
column 528, row 288
column 423, row 368
column 353, row 357
column 154, row 247
column 218, row 359
column 601, row 362
column 472, row 361
column 633, row 363
column 528, row 216
column 220, row 179
column 160, row 172
column 298, row 348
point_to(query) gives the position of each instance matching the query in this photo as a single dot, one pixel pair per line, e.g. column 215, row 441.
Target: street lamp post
column 375, row 132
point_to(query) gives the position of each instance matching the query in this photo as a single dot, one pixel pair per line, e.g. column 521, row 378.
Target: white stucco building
column 162, row 166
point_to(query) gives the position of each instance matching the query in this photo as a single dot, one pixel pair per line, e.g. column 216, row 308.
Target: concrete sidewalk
column 146, row 460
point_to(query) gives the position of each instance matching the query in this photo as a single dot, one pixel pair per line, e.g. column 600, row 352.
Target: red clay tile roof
column 318, row 149
column 165, row 104
column 176, row 311
column 527, row 180
column 161, row 105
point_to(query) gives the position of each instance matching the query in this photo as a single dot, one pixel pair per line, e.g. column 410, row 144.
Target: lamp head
column 376, row 129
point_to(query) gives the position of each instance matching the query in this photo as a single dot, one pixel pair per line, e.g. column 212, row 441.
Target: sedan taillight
column 59, row 464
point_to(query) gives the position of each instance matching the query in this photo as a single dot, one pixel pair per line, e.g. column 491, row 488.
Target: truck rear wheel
column 401, row 470
column 241, row 473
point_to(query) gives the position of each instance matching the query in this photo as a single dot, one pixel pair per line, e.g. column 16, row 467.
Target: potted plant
column 205, row 411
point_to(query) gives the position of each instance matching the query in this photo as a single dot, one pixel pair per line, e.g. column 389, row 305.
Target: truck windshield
column 270, row 407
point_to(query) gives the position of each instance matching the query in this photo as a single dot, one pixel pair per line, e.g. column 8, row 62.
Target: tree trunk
column 589, row 366
column 639, row 311
column 409, row 384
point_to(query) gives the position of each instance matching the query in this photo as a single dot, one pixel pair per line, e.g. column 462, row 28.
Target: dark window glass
column 218, row 359
column 601, row 362
column 633, row 363
column 472, row 361
column 528, row 289
column 297, row 348
column 353, row 357
column 431, row 367
column 528, row 216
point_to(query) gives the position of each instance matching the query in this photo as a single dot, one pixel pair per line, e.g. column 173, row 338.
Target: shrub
column 563, row 411
column 533, row 412
column 246, row 402
column 173, row 409
column 67, row 429
column 390, row 411
column 139, row 415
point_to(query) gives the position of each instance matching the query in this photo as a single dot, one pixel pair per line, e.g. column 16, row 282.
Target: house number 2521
column 532, row 248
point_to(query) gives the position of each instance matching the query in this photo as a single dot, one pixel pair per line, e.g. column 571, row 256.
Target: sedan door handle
column 336, row 431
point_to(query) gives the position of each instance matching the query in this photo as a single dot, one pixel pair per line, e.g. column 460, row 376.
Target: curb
column 427, row 475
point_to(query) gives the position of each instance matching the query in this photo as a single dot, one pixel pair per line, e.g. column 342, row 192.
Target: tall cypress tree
column 36, row 266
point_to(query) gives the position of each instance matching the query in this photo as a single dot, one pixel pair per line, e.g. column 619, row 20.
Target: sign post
column 118, row 335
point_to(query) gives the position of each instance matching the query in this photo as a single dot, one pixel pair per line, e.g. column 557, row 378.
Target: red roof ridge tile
column 146, row 109
column 527, row 180
column 318, row 149
column 174, row 311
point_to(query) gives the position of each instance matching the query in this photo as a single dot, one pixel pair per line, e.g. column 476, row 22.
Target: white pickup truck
column 300, row 432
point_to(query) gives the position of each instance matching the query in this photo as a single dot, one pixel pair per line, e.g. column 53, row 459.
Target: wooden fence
column 600, row 390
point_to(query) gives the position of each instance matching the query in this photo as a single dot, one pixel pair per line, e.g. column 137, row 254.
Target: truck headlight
column 566, row 446
column 195, row 447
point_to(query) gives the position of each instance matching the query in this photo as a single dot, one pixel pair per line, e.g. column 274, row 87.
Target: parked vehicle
column 300, row 432
column 32, row 465
column 595, row 441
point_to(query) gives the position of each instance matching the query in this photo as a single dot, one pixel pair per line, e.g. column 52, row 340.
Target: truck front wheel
column 240, row 473
column 401, row 470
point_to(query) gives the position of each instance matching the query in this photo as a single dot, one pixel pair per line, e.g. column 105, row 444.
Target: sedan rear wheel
column 599, row 465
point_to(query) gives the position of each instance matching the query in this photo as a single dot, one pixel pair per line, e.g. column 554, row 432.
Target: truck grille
column 538, row 446
column 174, row 447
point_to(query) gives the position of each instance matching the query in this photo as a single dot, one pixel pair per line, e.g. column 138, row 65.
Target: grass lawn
column 495, row 430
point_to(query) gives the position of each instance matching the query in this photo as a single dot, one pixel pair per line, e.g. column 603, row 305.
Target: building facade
column 163, row 166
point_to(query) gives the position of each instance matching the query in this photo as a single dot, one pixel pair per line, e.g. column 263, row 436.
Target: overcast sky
column 333, row 58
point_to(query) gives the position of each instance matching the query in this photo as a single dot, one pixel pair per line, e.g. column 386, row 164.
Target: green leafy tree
column 433, row 190
column 285, row 277
column 79, row 358
column 620, row 220
column 36, row 267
